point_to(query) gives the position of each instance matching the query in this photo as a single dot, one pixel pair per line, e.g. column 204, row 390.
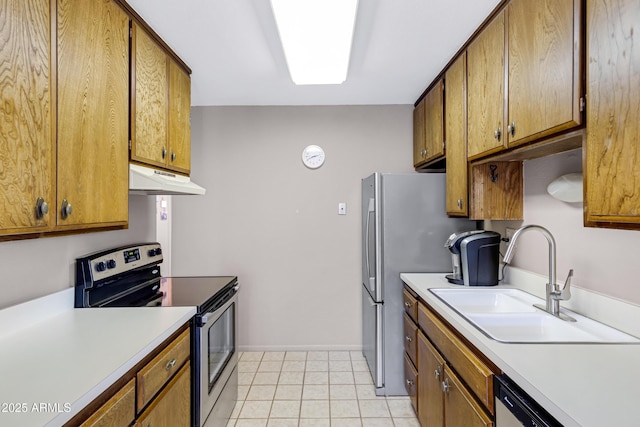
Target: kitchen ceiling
column 233, row 49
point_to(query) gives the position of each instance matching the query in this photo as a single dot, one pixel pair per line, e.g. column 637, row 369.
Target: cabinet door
column 179, row 119
column 461, row 410
column 497, row 191
column 485, row 83
column 419, row 150
column 411, row 382
column 27, row 142
column 430, row 377
column 172, row 407
column 119, row 411
column 544, row 68
column 149, row 110
column 456, row 135
column 434, row 122
column 93, row 106
column 612, row 172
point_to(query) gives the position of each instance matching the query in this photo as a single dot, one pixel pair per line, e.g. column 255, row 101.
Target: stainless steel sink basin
column 508, row 315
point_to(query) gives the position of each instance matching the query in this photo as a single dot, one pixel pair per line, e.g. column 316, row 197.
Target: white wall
column 274, row 223
column 37, row 267
column 604, row 260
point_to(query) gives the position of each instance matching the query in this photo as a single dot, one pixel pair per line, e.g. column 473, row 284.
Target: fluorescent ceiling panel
column 316, row 36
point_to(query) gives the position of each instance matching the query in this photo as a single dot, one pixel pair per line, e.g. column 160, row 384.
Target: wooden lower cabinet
column 173, row 405
column 119, row 411
column 455, row 385
column 430, row 401
column 156, row 392
column 460, row 407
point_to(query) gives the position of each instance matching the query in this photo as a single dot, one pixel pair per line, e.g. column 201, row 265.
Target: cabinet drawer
column 477, row 376
column 156, row 373
column 172, row 407
column 410, row 305
column 119, row 411
column 410, row 339
column 411, row 382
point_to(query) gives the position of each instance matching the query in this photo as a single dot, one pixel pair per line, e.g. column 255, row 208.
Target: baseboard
column 320, row 347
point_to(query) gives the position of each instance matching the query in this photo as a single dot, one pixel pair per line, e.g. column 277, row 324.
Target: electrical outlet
column 509, row 232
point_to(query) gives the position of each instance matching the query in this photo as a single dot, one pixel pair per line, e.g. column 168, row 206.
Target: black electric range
column 129, row 276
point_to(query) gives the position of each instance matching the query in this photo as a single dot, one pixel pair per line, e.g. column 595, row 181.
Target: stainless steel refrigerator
column 404, row 228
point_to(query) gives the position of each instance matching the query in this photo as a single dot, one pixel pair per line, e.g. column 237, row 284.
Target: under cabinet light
column 316, row 37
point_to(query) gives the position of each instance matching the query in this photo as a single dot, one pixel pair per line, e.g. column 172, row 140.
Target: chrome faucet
column 553, row 292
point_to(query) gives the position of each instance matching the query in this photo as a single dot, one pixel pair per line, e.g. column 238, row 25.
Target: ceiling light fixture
column 316, row 36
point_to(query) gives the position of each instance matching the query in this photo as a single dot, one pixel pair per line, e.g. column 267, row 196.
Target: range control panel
column 103, row 265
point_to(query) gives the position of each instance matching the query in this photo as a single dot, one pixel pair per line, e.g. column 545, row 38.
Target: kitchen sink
column 508, row 315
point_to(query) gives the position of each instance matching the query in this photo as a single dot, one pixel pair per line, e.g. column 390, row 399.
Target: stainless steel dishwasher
column 514, row 408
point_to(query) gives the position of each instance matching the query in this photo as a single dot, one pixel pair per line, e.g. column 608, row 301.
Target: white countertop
column 52, row 365
column 579, row 384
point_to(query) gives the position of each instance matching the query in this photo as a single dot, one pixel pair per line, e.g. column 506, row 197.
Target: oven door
column 218, row 361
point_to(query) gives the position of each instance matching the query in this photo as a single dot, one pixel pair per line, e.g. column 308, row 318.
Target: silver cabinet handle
column 445, row 385
column 170, row 365
column 497, row 134
column 408, row 304
column 408, row 338
column 438, row 372
column 66, row 209
column 164, row 152
column 409, row 382
column 173, row 156
column 460, row 203
column 512, row 128
column 42, row 208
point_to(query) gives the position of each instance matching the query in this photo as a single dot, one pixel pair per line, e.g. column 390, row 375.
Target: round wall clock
column 313, row 156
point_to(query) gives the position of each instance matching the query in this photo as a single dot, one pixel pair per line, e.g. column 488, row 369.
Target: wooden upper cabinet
column 419, row 148
column 179, row 118
column 161, row 106
column 612, row 150
column 27, row 117
column 428, row 143
column 434, row 122
column 485, row 86
column 544, row 45
column 93, row 114
column 456, row 135
column 149, row 110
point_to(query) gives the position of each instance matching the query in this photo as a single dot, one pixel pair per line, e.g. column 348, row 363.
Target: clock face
column 313, row 156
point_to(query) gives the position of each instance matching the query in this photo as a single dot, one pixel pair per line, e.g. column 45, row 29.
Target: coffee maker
column 474, row 258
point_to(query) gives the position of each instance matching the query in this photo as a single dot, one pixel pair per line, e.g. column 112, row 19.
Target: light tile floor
column 313, row 389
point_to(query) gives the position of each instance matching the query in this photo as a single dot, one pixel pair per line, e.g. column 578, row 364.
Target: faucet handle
column 565, row 293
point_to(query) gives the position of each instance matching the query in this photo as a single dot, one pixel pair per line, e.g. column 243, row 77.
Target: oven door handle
column 204, row 318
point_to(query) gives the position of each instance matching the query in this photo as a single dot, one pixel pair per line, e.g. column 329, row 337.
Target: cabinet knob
column 42, row 208
column 497, row 134
column 66, row 209
column 437, row 373
column 408, row 338
column 164, row 152
column 512, row 129
column 445, row 385
column 173, row 156
column 409, row 382
column 408, row 304
column 171, row 364
column 460, row 203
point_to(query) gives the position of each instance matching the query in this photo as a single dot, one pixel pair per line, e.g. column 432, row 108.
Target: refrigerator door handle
column 370, row 211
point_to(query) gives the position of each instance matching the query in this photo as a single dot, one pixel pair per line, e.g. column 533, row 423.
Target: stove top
column 129, row 276
column 196, row 291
